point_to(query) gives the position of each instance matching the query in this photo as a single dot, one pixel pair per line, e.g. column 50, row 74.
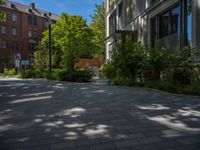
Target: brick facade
column 21, row 43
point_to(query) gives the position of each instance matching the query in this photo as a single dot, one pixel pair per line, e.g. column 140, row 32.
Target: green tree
column 71, row 39
column 98, row 28
column 41, row 57
column 2, row 14
column 76, row 39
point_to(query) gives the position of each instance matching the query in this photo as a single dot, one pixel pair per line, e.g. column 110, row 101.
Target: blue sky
column 75, row 7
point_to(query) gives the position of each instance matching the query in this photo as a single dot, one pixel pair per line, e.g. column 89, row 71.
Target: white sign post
column 17, row 58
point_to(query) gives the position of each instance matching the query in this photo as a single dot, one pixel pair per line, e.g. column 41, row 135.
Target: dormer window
column 12, row 6
column 30, row 10
column 45, row 14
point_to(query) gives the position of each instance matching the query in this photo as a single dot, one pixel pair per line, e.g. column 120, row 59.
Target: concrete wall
column 141, row 22
column 197, row 27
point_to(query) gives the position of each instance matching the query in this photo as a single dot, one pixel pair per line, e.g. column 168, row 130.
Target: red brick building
column 21, row 31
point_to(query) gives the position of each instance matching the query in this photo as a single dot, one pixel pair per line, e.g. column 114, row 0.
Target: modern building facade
column 22, row 30
column 170, row 24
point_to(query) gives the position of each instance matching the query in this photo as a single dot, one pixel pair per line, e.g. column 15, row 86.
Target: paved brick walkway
column 49, row 115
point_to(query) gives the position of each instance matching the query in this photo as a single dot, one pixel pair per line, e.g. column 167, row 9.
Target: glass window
column 3, row 30
column 189, row 23
column 120, row 7
column 3, row 44
column 120, row 15
column 14, row 17
column 170, row 22
column 14, row 31
column 129, row 10
column 14, row 45
column 34, row 21
column 13, row 6
column 112, row 22
column 29, row 34
column 46, row 25
column 30, row 20
column 32, row 47
column 175, row 20
column 164, row 24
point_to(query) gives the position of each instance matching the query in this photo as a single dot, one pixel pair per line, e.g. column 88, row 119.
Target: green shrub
column 75, row 76
column 9, row 72
column 158, row 61
column 125, row 81
column 108, row 71
column 27, row 74
column 59, row 74
column 83, row 76
column 129, row 59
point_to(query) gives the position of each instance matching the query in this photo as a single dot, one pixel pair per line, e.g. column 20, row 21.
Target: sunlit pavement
column 51, row 115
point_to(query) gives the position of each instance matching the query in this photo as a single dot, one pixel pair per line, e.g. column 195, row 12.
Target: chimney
column 33, row 5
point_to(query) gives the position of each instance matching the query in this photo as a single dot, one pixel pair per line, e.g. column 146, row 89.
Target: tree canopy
column 71, row 39
column 2, row 14
column 98, row 28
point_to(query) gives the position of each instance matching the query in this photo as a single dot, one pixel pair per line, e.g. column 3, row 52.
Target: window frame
column 30, row 35
column 5, row 44
column 169, row 11
column 14, row 31
column 5, row 30
column 14, row 48
column 32, row 20
column 14, row 17
column 31, row 47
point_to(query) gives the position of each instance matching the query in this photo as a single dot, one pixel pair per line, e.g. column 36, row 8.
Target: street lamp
column 50, row 42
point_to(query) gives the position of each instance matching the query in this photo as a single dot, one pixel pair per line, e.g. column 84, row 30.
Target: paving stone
column 94, row 116
column 126, row 143
column 42, row 147
column 167, row 144
column 149, row 140
column 103, row 146
column 88, row 142
column 62, row 145
column 188, row 147
column 79, row 148
column 190, row 140
column 145, row 147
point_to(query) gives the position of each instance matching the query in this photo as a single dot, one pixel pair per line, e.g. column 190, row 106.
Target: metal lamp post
column 50, row 42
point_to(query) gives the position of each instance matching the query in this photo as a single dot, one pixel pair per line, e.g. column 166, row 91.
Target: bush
column 59, row 74
column 129, row 59
column 137, row 65
column 28, row 74
column 125, row 81
column 9, row 72
column 75, row 76
column 108, row 71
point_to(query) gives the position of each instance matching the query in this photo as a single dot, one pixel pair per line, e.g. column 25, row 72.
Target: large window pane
column 170, row 22
column 129, row 10
column 164, row 24
column 112, row 22
column 175, row 20
column 189, row 23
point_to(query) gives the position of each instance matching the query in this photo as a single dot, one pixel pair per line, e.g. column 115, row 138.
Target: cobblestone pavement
column 51, row 115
